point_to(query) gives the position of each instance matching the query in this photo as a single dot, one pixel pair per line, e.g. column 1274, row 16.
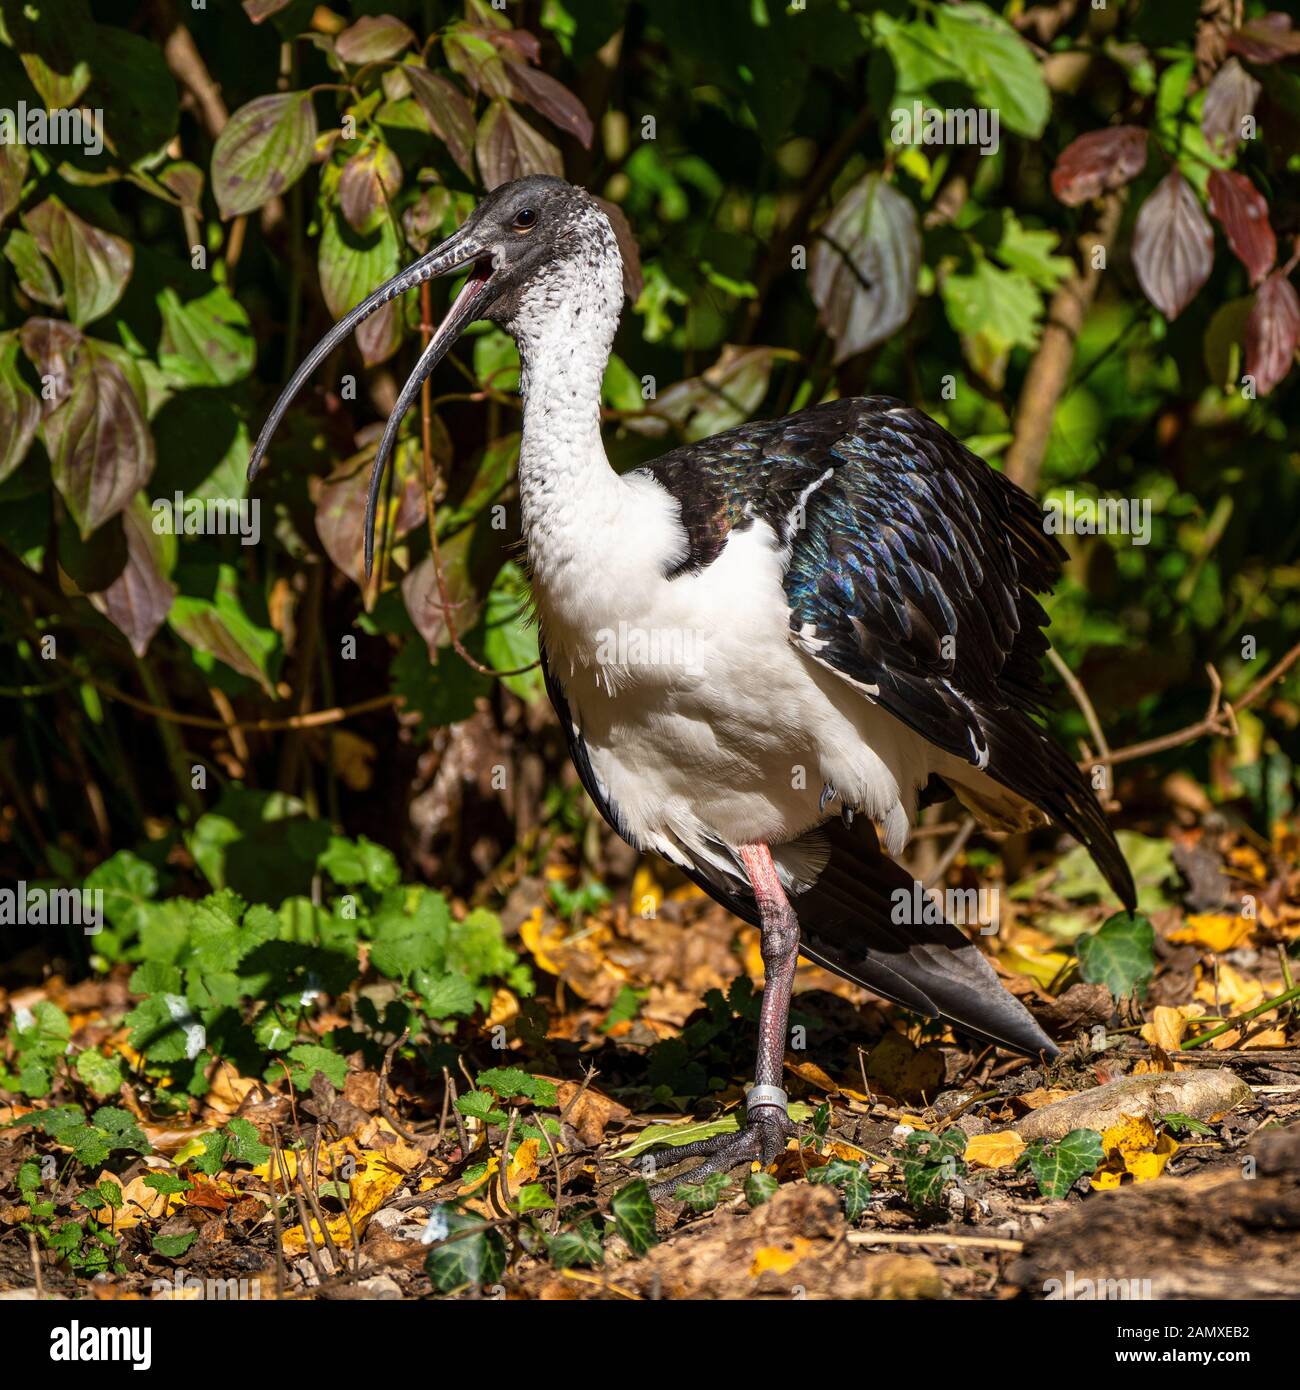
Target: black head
column 506, row 243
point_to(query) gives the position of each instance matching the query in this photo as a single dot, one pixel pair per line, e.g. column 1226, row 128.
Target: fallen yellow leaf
column 1216, row 931
column 779, row 1259
column 1168, row 1025
column 998, row 1150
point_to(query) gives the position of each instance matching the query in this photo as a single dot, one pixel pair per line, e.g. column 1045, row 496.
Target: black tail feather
column 1036, row 767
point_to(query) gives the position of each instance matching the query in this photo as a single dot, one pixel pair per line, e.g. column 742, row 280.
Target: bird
column 768, row 648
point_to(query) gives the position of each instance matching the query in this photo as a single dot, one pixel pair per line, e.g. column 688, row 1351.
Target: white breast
column 703, row 721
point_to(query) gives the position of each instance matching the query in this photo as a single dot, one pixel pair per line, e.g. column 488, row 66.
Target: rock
column 380, row 1287
column 1200, row 1094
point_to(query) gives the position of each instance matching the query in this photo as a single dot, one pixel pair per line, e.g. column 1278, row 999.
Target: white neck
column 570, row 497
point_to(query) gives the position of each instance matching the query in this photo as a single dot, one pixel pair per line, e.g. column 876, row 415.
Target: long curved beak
column 462, row 248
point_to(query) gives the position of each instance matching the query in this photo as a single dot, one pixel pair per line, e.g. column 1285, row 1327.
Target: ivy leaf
column 864, row 266
column 264, row 148
column 929, row 1162
column 634, row 1216
column 1120, row 954
column 577, row 1246
column 851, row 1179
column 760, row 1187
column 1173, row 246
column 472, row 1260
column 1272, row 332
column 1057, row 1167
column 703, row 1196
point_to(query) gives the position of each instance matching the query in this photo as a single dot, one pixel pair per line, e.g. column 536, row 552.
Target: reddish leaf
column 13, row 170
column 51, row 346
column 447, row 112
column 93, row 265
column 258, row 10
column 1173, row 245
column 423, row 597
column 1272, row 332
column 341, row 509
column 369, row 181
column 20, row 411
column 373, row 38
column 1241, row 211
column 101, row 451
column 138, row 600
column 1268, row 39
column 633, row 279
column 1229, row 99
column 508, row 147
column 1100, row 160
column 514, row 44
column 554, row 100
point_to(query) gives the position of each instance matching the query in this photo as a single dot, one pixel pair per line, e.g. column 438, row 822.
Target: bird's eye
column 525, row 220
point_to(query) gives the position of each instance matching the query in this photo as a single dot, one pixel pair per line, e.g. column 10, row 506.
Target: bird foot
column 760, row 1138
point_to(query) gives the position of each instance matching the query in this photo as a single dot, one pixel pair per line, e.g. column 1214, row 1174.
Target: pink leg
column 767, row 1125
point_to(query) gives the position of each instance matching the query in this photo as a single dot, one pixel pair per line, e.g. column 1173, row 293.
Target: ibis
column 767, row 649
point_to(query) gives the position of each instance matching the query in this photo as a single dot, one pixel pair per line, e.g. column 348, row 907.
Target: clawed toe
column 760, row 1139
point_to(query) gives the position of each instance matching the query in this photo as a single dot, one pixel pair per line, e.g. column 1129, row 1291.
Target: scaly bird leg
column 767, row 1124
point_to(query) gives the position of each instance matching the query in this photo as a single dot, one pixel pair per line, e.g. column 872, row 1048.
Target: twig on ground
column 1235, row 1022
column 1014, row 1247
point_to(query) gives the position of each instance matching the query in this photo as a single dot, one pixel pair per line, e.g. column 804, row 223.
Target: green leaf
column 128, row 884
column 577, row 1246
column 310, row 1059
column 998, row 308
column 703, row 1196
column 352, row 264
column 173, row 1246
column 220, row 628
column 36, row 276
column 760, row 1187
column 206, row 341
column 996, row 64
column 102, row 1075
column 410, row 932
column 1120, row 954
column 166, row 1183
column 510, row 637
column 481, row 1105
column 360, row 861
column 212, row 1158
column 110, row 1193
column 1057, row 1167
column 851, row 1179
column 472, row 1260
column 508, row 1082
column 243, row 1144
column 264, row 148
column 929, row 1162
column 1185, row 1124
column 634, row 1216
column 93, row 265
column 450, row 995
column 533, row 1197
